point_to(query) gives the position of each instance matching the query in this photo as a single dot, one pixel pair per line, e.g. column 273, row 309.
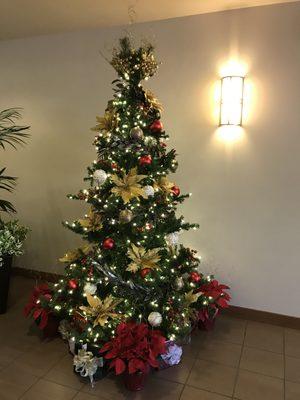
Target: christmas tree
column 131, row 267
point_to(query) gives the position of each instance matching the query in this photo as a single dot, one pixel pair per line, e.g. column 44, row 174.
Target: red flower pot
column 51, row 329
column 136, row 381
column 207, row 325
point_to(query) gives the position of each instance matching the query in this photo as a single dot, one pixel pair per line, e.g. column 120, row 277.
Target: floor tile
column 220, row 352
column 264, row 336
column 191, row 393
column 62, row 373
column 177, row 373
column 292, row 342
column 228, row 329
column 263, row 362
column 292, row 369
column 113, row 389
column 85, row 396
column 18, row 376
column 10, row 391
column 292, row 391
column 212, row 377
column 251, row 386
column 44, row 390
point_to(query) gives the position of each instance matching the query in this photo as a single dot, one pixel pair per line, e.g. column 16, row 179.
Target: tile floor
column 239, row 360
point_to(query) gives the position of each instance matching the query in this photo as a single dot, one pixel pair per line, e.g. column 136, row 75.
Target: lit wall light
column 231, row 101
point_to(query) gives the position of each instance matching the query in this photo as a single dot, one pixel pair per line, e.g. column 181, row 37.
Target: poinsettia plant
column 135, row 348
column 38, row 305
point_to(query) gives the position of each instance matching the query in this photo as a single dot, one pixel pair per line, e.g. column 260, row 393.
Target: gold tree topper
column 101, row 310
column 141, row 258
column 128, row 186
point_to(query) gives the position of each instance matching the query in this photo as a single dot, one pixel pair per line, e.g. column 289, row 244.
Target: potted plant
column 133, row 351
column 12, row 235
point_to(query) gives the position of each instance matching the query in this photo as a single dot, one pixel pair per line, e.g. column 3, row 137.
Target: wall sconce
column 232, row 99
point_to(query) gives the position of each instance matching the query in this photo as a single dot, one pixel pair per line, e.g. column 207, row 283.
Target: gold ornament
column 191, row 297
column 101, row 310
column 74, row 255
column 125, row 216
column 92, row 222
column 164, row 185
column 152, row 100
column 141, row 258
column 128, row 186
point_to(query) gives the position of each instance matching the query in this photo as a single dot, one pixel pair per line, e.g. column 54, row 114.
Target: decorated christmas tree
column 131, row 276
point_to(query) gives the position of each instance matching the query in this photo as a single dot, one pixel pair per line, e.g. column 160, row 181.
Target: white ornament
column 100, row 176
column 179, row 283
column 172, row 238
column 155, row 318
column 90, row 288
column 149, row 191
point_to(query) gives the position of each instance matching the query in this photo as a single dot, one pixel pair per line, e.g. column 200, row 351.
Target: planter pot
column 135, row 382
column 207, row 325
column 51, row 329
column 5, row 272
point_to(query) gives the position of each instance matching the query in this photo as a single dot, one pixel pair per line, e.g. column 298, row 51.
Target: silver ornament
column 137, row 133
column 100, row 176
column 172, row 238
column 179, row 283
column 149, row 191
column 90, row 288
column 125, row 216
column 155, row 318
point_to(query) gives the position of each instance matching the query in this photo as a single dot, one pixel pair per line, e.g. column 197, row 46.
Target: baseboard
column 37, row 275
column 235, row 311
column 263, row 316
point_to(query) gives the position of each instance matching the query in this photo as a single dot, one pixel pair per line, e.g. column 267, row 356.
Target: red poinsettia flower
column 135, row 347
column 217, row 292
column 34, row 306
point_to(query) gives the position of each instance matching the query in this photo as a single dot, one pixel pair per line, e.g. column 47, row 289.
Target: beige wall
column 246, row 196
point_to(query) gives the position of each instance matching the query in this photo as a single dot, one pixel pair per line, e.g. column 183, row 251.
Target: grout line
column 239, row 363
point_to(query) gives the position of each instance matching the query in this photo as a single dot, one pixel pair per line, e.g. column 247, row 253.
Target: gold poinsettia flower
column 73, row 255
column 164, row 185
column 101, row 310
column 141, row 258
column 128, row 186
column 107, row 123
column 191, row 297
column 152, row 100
column 92, row 221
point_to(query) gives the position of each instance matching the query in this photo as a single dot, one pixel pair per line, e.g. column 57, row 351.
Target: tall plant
column 11, row 134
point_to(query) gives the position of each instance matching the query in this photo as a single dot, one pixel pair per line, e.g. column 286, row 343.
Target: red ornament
column 145, row 272
column 145, row 160
column 195, row 277
column 73, row 284
column 175, row 190
column 156, row 126
column 108, row 244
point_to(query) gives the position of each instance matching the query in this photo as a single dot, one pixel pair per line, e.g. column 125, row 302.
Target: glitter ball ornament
column 145, row 160
column 195, row 277
column 100, row 176
column 108, row 244
column 156, row 126
column 179, row 283
column 175, row 190
column 73, row 284
column 155, row 318
column 149, row 190
column 125, row 216
column 136, row 133
column 145, row 272
column 90, row 288
column 172, row 238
